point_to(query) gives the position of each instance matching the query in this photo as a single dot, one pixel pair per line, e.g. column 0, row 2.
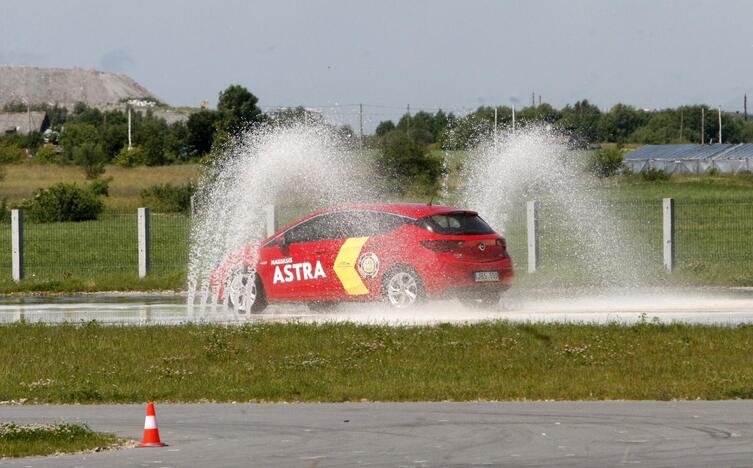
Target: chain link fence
column 105, row 246
column 711, row 238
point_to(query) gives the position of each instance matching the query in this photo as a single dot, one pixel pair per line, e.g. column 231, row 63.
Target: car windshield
column 455, row 223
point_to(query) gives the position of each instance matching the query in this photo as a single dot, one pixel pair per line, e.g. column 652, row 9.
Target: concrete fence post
column 532, row 222
column 144, row 244
column 17, row 244
column 668, row 215
column 270, row 213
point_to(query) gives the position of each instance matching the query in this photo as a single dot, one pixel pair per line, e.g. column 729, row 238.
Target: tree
column 662, row 127
column 74, row 135
column 620, row 122
column 201, row 127
column 470, row 130
column 237, row 108
column 384, row 128
column 407, row 164
column 291, row 115
column 113, row 137
column 151, row 135
column 92, row 158
column 583, row 118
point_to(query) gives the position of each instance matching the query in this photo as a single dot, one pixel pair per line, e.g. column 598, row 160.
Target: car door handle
column 320, row 252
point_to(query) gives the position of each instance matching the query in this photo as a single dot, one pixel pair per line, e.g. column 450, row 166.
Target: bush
column 4, row 211
column 10, row 153
column 136, row 156
column 168, row 197
column 92, row 158
column 101, row 187
column 46, row 155
column 407, row 164
column 744, row 175
column 63, row 202
column 606, row 162
column 652, row 175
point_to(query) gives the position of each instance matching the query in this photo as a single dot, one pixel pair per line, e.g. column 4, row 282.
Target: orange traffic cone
column 151, row 433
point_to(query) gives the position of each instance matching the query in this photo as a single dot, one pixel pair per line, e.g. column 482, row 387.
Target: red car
column 398, row 253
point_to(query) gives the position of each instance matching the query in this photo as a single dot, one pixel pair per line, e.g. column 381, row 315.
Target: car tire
column 486, row 300
column 402, row 288
column 244, row 292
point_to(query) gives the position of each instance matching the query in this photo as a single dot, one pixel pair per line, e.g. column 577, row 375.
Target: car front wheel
column 402, row 288
column 244, row 292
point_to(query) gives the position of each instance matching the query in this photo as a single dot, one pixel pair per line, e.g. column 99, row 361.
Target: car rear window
column 455, row 223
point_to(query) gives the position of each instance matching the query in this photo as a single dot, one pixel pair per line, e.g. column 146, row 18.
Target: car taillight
column 442, row 245
column 503, row 243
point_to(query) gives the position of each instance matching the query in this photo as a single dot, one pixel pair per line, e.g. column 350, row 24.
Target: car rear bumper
column 444, row 278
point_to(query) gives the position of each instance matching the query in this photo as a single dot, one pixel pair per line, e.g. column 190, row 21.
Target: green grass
column 46, row 439
column 22, row 179
column 347, row 362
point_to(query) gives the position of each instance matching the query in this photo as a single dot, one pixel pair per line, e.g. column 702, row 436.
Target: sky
column 387, row 54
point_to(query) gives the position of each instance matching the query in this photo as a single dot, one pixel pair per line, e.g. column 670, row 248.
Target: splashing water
column 535, row 164
column 311, row 166
column 299, row 165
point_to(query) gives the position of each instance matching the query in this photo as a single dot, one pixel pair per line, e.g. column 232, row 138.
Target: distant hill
column 66, row 86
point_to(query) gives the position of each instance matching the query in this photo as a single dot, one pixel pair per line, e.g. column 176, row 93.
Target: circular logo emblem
column 482, row 246
column 368, row 265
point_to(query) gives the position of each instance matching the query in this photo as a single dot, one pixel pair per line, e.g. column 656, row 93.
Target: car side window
column 344, row 224
column 319, row 228
column 372, row 223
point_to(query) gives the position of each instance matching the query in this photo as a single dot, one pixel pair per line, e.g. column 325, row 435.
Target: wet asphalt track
column 719, row 306
column 594, row 434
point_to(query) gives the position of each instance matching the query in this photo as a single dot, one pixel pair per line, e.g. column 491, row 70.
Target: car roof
column 410, row 210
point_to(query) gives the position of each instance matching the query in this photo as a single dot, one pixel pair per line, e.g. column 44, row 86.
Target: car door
column 300, row 263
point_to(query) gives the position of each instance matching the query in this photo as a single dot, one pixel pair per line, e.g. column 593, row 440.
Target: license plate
column 482, row 276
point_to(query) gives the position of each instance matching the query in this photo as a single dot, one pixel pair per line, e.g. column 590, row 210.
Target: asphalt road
column 695, row 433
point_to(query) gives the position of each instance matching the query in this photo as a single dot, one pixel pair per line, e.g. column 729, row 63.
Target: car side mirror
column 284, row 242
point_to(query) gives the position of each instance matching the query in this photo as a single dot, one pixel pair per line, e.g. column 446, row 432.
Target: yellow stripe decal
column 345, row 266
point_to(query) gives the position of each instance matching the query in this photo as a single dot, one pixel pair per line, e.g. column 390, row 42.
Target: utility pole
column 495, row 127
column 408, row 119
column 539, row 100
column 720, row 124
column 129, row 128
column 703, row 124
column 513, row 118
column 533, row 99
column 745, row 106
column 360, row 122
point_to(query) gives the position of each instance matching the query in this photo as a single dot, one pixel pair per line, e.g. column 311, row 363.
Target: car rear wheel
column 402, row 288
column 244, row 292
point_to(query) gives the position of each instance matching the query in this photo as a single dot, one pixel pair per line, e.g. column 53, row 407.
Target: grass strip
column 91, row 363
column 26, row 440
